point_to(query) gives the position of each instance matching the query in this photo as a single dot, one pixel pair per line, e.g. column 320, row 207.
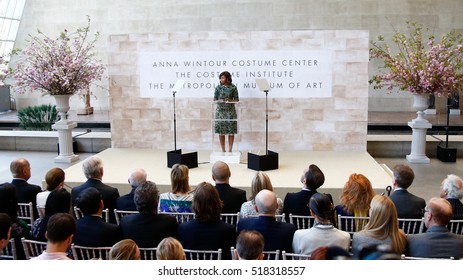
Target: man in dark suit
column 25, row 192
column 296, row 203
column 277, row 235
column 437, row 241
column 148, row 228
column 408, row 205
column 92, row 230
column 93, row 170
column 136, row 179
column 232, row 198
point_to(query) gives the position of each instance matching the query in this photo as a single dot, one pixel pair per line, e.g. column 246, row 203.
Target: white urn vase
column 64, row 128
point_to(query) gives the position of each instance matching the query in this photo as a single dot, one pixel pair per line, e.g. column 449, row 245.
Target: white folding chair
column 41, row 211
column 33, row 248
column 203, row 254
column 404, row 257
column 301, row 222
column 352, row 224
column 294, row 256
column 234, row 254
column 230, row 218
column 411, row 226
column 26, row 213
column 148, row 253
column 89, row 253
column 78, row 213
column 455, row 226
column 272, row 255
column 181, row 217
column 9, row 252
column 121, row 213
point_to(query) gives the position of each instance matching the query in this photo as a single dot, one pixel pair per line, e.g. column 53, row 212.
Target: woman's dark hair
column 314, row 177
column 54, row 178
column 58, row 201
column 206, row 203
column 227, row 75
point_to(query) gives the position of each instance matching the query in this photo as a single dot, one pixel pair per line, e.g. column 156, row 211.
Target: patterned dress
column 170, row 202
column 226, row 111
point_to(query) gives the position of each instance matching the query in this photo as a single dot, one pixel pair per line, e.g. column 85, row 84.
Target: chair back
column 9, row 252
column 148, row 253
column 89, row 253
column 203, row 254
column 272, row 255
column 456, row 226
column 404, row 257
column 78, row 213
column 302, row 222
column 33, row 248
column 234, row 254
column 121, row 213
column 352, row 224
column 230, row 218
column 26, row 213
column 41, row 211
column 181, row 217
column 411, row 226
column 278, row 218
column 294, row 256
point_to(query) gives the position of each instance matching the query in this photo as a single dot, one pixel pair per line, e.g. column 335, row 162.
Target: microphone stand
column 175, row 123
column 266, row 122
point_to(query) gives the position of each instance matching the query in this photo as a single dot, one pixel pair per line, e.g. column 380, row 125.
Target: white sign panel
column 290, row 73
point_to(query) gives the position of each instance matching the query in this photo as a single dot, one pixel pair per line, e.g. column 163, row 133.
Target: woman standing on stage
column 226, row 93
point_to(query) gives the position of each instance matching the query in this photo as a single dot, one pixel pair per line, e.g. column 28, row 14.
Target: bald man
column 277, row 235
column 25, row 192
column 232, row 198
column 136, row 178
column 437, row 241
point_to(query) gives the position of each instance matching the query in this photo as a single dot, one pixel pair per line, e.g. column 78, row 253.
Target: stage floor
column 337, row 166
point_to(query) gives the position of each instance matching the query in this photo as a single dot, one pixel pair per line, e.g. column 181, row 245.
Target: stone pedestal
column 419, row 127
column 64, row 128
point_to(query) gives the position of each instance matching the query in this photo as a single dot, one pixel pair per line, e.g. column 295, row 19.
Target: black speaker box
column 263, row 162
column 176, row 156
column 446, row 154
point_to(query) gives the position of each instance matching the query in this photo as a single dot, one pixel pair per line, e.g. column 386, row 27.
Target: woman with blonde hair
column 170, row 249
column 356, row 197
column 260, row 181
column 383, row 227
column 181, row 197
column 126, row 249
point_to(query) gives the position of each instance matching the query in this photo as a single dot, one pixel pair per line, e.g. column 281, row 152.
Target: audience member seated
column 54, row 180
column 437, row 241
column 181, row 196
column 61, row 228
column 382, row 228
column 232, row 198
column 93, row 171
column 58, row 201
column 5, row 230
column 170, row 249
column 323, row 233
column 356, row 197
column 19, row 228
column 408, row 205
column 136, row 179
column 277, row 235
column 25, row 192
column 92, row 230
column 206, row 231
column 452, row 190
column 260, row 181
column 296, row 203
column 330, row 253
column 250, row 245
column 148, row 228
column 126, row 249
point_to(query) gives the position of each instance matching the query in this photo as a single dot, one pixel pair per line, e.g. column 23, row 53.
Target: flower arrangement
column 61, row 66
column 4, row 72
column 418, row 66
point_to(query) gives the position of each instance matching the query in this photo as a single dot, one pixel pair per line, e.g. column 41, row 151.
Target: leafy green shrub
column 38, row 117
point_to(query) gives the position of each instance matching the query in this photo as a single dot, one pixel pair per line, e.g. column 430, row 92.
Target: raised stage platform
column 337, row 166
